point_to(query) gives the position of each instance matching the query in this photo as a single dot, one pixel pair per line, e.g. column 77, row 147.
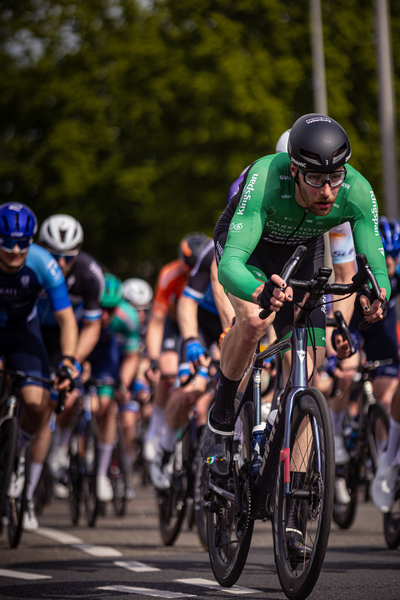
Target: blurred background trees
column 135, row 117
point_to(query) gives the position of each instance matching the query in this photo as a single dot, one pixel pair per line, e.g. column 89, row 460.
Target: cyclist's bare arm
column 224, row 307
column 68, row 339
column 88, row 338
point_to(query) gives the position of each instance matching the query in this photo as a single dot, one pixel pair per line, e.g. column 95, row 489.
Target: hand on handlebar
column 372, row 310
column 342, row 346
column 274, row 294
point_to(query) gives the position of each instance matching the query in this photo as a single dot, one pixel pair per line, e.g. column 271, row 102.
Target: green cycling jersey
column 268, row 211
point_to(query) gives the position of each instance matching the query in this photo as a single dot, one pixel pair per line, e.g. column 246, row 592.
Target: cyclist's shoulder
column 88, row 270
column 127, row 315
column 172, row 273
column 41, row 262
column 355, row 183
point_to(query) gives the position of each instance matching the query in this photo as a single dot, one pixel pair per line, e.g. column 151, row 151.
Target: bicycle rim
column 172, row 505
column 16, row 508
column 8, row 445
column 117, row 477
column 344, row 514
column 312, row 453
column 391, row 522
column 200, row 488
column 75, row 473
column 90, row 477
column 229, row 534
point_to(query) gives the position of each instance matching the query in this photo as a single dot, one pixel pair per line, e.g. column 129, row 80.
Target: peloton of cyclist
column 62, row 236
column 114, row 360
column 198, row 312
column 285, row 200
column 163, row 336
column 26, row 269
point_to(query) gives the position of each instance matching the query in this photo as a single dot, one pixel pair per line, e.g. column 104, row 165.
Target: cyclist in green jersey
column 285, row 200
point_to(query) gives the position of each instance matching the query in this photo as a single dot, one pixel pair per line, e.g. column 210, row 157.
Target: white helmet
column 281, row 144
column 61, row 233
column 138, row 292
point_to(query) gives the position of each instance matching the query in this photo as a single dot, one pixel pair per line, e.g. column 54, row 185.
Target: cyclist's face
column 107, row 316
column 11, row 262
column 318, row 200
column 391, row 264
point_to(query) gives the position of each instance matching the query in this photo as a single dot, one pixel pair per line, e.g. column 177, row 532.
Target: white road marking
column 132, row 565
column 71, row 540
column 145, row 591
column 236, row 589
column 22, row 574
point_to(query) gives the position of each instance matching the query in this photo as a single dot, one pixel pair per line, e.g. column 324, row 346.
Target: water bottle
column 260, row 438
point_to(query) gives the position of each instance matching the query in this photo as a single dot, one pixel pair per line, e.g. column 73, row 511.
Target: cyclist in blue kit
column 26, row 269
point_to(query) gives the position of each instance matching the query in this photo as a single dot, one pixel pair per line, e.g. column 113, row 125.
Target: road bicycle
column 365, row 436
column 288, row 478
column 14, row 508
column 188, row 481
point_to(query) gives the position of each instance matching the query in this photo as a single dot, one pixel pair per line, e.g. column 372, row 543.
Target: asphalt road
column 124, row 557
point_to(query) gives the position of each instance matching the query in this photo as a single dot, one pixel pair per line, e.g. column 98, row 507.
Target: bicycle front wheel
column 172, row 502
column 16, row 508
column 308, row 512
column 391, row 522
column 91, row 502
column 229, row 531
column 8, row 445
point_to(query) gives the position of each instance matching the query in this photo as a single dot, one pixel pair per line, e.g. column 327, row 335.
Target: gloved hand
column 193, row 349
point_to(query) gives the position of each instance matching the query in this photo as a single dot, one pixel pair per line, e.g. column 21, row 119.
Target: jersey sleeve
column 126, row 322
column 200, row 275
column 362, row 213
column 94, row 287
column 50, row 277
column 245, row 231
column 169, row 286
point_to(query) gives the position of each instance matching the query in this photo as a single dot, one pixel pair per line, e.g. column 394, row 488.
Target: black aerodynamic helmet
column 191, row 246
column 318, row 143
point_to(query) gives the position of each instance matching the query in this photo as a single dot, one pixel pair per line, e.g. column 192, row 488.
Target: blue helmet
column 390, row 234
column 17, row 220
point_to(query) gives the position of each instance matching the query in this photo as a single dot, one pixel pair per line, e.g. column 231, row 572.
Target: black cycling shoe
column 297, row 549
column 217, row 448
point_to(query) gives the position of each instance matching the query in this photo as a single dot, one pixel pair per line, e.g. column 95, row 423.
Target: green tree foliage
column 137, row 118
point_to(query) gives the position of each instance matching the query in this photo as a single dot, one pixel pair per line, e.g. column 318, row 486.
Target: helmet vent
column 16, row 221
column 5, row 223
column 311, row 157
column 63, row 233
column 339, row 153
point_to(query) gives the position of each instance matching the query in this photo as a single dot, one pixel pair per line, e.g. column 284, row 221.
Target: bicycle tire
column 16, row 507
column 118, row 476
column 311, row 417
column 391, row 522
column 43, row 493
column 8, row 446
column 172, row 502
column 75, row 474
column 344, row 514
column 200, row 489
column 92, row 504
column 229, row 535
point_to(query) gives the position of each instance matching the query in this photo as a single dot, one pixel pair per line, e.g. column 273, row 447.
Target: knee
column 252, row 329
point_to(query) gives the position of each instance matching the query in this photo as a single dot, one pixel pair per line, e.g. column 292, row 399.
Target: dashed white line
column 22, row 574
column 145, row 591
column 236, row 589
column 133, row 565
column 71, row 540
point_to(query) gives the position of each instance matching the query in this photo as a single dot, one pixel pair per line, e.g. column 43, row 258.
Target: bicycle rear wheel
column 377, row 430
column 8, row 445
column 117, row 475
column 229, row 532
column 391, row 522
column 344, row 514
column 75, row 473
column 312, row 455
column 16, row 507
column 172, row 502
column 200, row 489
column 92, row 505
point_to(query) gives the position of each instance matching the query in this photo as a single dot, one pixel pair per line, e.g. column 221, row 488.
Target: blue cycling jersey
column 19, row 291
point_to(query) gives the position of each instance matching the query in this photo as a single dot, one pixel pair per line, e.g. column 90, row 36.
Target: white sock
column 168, row 440
column 157, row 422
column 337, row 421
column 34, row 476
column 393, row 448
column 104, row 457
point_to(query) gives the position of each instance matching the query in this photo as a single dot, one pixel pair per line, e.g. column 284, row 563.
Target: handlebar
column 319, row 286
column 288, row 270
